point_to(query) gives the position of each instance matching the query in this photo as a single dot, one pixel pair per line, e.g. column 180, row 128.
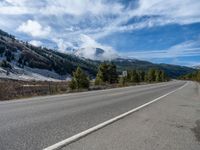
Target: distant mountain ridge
column 196, row 67
column 24, row 57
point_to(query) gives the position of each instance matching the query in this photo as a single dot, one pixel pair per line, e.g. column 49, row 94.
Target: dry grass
column 13, row 89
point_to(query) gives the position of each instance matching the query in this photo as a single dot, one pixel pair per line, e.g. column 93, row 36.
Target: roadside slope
column 172, row 123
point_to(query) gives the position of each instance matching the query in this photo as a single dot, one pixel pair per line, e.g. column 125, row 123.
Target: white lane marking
column 101, row 125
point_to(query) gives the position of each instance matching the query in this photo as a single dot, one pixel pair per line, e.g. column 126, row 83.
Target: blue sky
column 156, row 30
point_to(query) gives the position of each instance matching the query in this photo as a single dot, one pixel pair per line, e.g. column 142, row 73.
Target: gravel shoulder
column 171, row 123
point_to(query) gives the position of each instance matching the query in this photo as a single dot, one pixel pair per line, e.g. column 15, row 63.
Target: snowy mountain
column 89, row 52
column 21, row 60
column 95, row 53
column 196, row 67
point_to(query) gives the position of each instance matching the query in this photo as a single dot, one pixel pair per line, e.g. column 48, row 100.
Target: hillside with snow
column 24, row 61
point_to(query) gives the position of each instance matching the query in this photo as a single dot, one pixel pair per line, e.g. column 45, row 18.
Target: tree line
column 107, row 74
column 152, row 75
column 195, row 76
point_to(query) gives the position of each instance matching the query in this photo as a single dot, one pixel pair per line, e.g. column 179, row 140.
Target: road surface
column 36, row 123
column 173, row 123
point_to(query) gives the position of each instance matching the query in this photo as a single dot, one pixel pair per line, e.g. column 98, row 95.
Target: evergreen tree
column 107, row 73
column 2, row 50
column 134, row 77
column 8, row 55
column 198, row 76
column 104, row 69
column 20, row 62
column 72, row 84
column 101, row 75
column 151, row 75
column 146, row 77
column 158, row 74
column 99, row 78
column 5, row 64
column 141, row 75
column 163, row 76
column 79, row 80
column 112, row 74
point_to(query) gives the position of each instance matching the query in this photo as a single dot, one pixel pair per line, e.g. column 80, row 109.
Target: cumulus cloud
column 64, row 21
column 36, row 43
column 89, row 48
column 100, row 18
column 63, row 45
column 34, row 29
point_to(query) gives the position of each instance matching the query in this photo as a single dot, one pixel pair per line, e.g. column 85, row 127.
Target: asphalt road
column 34, row 124
column 172, row 123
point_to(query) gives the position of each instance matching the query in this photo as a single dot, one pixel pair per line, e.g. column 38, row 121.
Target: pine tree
column 134, row 77
column 2, row 50
column 101, row 75
column 103, row 68
column 158, row 74
column 112, row 74
column 79, row 80
column 151, row 75
column 163, row 76
column 198, row 76
column 99, row 78
column 141, row 75
column 5, row 64
column 72, row 84
column 107, row 73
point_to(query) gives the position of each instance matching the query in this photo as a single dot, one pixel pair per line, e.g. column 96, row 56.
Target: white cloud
column 163, row 12
column 16, row 7
column 88, row 49
column 61, row 7
column 185, row 49
column 36, row 43
column 63, row 21
column 108, row 17
column 80, row 7
column 180, row 11
column 16, row 2
column 34, row 29
column 85, row 46
column 63, row 45
column 14, row 10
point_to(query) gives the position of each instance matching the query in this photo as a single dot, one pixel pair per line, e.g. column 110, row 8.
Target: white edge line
column 101, row 125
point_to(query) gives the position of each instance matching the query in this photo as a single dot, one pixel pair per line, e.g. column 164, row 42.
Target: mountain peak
column 95, row 53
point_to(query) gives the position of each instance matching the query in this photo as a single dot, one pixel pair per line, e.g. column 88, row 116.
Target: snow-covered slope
column 28, row 73
column 197, row 67
column 21, row 60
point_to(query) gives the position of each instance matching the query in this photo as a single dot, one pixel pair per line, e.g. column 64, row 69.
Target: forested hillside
column 19, row 54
